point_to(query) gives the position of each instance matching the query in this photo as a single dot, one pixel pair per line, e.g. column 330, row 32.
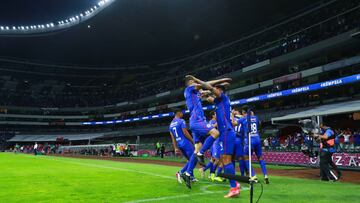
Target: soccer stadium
column 180, row 101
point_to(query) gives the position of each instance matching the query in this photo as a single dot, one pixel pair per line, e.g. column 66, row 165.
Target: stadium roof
column 325, row 110
column 136, row 31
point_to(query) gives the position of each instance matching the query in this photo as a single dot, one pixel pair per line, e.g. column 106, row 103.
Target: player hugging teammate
column 226, row 134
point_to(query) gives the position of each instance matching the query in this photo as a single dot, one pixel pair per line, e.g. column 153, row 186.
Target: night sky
column 136, row 31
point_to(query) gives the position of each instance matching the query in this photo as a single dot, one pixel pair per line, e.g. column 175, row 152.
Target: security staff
column 327, row 148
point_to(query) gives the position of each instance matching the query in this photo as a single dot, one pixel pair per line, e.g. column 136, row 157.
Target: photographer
column 327, row 148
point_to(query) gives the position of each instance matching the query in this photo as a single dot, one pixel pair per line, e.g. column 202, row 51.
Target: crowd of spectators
column 345, row 141
column 320, row 24
column 37, row 149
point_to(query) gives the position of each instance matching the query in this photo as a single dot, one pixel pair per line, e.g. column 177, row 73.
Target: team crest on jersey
column 208, row 125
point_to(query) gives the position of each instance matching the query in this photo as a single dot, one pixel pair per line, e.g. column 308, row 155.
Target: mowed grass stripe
column 26, row 178
column 80, row 173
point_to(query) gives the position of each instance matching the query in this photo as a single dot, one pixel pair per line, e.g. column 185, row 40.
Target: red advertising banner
column 345, row 160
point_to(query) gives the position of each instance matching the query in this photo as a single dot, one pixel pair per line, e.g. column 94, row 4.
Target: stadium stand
column 327, row 21
column 285, row 55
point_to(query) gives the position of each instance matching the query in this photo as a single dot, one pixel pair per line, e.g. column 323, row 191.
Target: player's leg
column 187, row 151
column 203, row 169
column 192, row 161
column 210, row 164
column 213, row 133
column 242, row 165
column 213, row 168
column 258, row 152
column 190, row 152
column 219, row 152
column 228, row 141
column 239, row 153
column 219, row 169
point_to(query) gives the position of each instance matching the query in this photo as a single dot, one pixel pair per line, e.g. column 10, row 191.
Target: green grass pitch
column 26, row 178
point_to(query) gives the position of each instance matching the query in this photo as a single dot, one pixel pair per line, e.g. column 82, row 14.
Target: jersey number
column 176, row 134
column 253, row 128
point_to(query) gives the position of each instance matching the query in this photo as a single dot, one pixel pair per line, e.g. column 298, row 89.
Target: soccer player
column 237, row 120
column 251, row 126
column 182, row 141
column 214, row 151
column 198, row 125
column 227, row 133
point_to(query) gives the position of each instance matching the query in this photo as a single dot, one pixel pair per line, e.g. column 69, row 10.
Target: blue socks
column 191, row 164
column 263, row 167
column 242, row 167
column 230, row 169
column 183, row 170
column 248, row 166
column 213, row 168
column 208, row 165
column 219, row 171
column 207, row 144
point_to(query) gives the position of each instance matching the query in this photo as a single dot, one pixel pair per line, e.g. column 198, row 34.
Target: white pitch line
column 173, row 197
column 203, row 189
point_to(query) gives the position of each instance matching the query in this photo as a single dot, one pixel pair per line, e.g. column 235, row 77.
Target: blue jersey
column 194, row 105
column 254, row 127
column 239, row 129
column 329, row 134
column 212, row 122
column 175, row 128
column 223, row 110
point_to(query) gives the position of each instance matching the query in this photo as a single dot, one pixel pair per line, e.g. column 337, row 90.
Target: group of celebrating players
column 226, row 135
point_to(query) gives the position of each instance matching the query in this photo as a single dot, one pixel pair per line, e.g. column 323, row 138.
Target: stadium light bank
column 56, row 26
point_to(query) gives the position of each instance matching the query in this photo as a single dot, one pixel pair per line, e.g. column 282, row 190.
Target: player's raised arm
column 234, row 121
column 210, row 99
column 219, row 81
column 205, row 85
column 176, row 149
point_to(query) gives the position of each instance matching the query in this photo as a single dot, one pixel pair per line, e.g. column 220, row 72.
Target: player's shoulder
column 173, row 122
column 190, row 88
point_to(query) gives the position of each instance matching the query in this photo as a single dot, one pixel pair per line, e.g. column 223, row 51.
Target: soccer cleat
column 178, row 177
column 212, row 176
column 187, row 180
column 234, row 192
column 201, row 159
column 238, row 185
column 193, row 179
column 202, row 172
column 267, row 180
column 219, row 179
